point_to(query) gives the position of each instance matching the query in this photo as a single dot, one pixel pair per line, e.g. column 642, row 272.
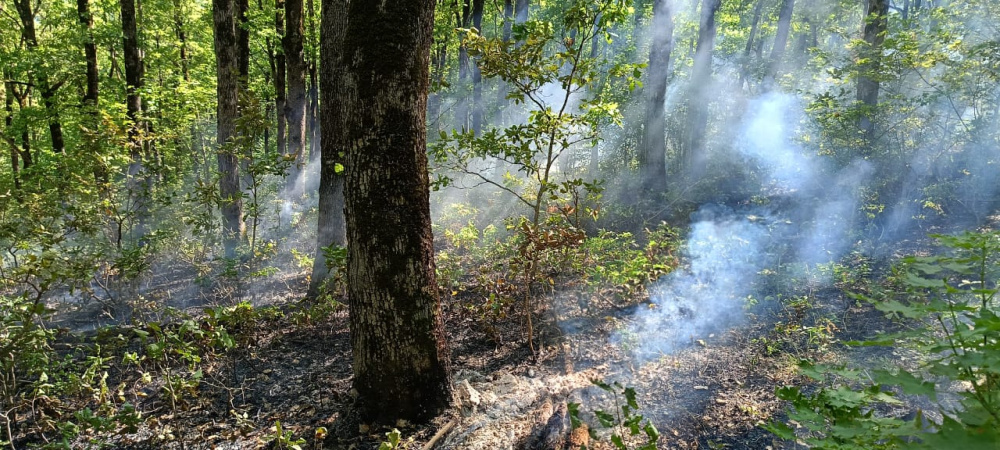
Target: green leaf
column 630, row 398
column 607, row 420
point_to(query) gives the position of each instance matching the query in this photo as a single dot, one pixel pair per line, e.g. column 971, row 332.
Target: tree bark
column 243, row 41
column 139, row 186
column 701, row 77
column 477, row 75
column 295, row 107
column 331, row 227
column 280, row 99
column 92, row 114
column 754, row 28
column 224, row 14
column 181, row 38
column 521, row 11
column 653, row 168
column 780, row 42
column 27, row 16
column 8, row 101
column 873, row 32
column 400, row 358
column 312, row 121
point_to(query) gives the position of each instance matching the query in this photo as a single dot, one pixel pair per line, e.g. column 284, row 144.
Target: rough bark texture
column 701, row 74
column 331, row 227
column 27, row 16
column 875, row 26
column 224, row 13
column 654, row 149
column 279, row 76
column 295, row 107
column 400, row 358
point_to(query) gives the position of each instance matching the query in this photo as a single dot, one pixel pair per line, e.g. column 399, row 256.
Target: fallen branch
column 437, row 436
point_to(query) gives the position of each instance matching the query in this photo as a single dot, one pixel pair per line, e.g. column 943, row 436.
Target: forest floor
column 288, row 379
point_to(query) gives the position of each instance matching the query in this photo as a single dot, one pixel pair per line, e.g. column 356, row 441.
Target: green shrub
column 950, row 301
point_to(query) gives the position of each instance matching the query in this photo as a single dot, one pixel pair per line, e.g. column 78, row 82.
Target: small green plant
column 393, row 441
column 949, row 301
column 624, row 421
column 283, row 439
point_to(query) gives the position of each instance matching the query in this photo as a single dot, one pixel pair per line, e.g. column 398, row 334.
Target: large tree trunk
column 27, row 16
column 91, row 111
column 295, row 108
column 654, row 146
column 279, row 76
column 875, row 25
column 699, row 96
column 224, row 14
column 400, row 357
column 331, row 227
column 780, row 42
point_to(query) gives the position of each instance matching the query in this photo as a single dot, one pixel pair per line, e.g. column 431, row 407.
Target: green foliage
column 951, row 301
column 284, row 440
column 393, row 441
column 624, row 421
column 616, row 259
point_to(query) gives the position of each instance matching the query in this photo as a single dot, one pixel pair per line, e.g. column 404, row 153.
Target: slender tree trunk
column 280, row 100
column 8, row 103
column 22, row 103
column 521, row 11
column 400, row 357
column 653, row 169
column 440, row 57
column 134, row 79
column 27, row 15
column 91, row 112
column 181, row 39
column 754, row 28
column 780, row 42
column 295, row 107
column 462, row 104
column 331, row 228
column 873, row 32
column 224, row 15
column 477, row 75
column 313, row 122
column 243, row 41
column 508, row 20
column 701, row 79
